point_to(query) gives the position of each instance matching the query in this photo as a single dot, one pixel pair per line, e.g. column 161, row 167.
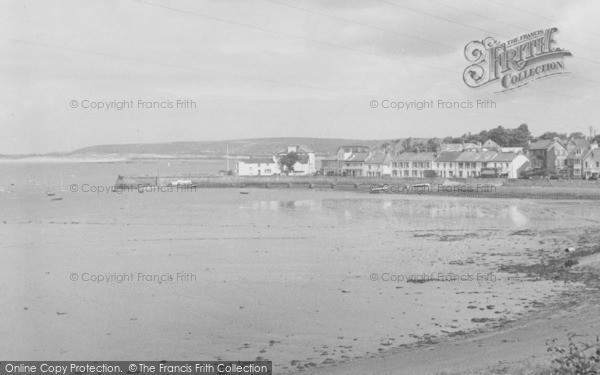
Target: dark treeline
column 517, row 137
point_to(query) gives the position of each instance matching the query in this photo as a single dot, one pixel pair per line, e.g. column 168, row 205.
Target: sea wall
column 478, row 188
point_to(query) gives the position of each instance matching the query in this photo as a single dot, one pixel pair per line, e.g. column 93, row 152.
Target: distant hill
column 237, row 147
column 211, row 149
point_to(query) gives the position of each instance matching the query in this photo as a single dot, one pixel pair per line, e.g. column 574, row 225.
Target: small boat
column 421, row 185
column 56, row 199
column 244, row 192
column 50, row 194
column 375, row 189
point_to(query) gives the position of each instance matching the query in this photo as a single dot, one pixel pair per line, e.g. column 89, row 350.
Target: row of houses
column 358, row 161
column 577, row 158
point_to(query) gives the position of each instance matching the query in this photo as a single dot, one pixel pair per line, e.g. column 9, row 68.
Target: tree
column 577, row 135
column 433, row 145
column 552, row 135
column 522, row 136
column 287, row 162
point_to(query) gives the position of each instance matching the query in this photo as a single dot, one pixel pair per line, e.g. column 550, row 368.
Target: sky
column 277, row 68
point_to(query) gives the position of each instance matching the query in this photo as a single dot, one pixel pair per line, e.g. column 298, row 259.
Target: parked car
column 543, row 173
column 537, row 173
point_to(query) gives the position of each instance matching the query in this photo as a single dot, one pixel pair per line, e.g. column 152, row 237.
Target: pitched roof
column 593, row 153
column 577, row 152
column 305, row 148
column 256, row 161
column 470, row 145
column 299, row 150
column 451, row 147
column 377, row 158
column 580, row 142
column 414, row 156
column 490, row 143
column 354, row 149
column 446, row 156
column 358, row 157
column 477, row 156
column 512, row 149
column 544, row 144
column 505, row 156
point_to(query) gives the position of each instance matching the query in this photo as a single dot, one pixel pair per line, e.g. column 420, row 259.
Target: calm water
column 101, row 173
column 281, row 273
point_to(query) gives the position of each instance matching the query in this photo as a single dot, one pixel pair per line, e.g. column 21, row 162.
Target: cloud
column 256, row 68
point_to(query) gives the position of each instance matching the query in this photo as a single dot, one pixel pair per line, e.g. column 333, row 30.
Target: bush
column 578, row 358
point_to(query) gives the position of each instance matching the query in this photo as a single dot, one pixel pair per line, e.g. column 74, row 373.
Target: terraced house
column 352, row 160
column 378, row 164
column 445, row 164
column 477, row 163
column 413, row 164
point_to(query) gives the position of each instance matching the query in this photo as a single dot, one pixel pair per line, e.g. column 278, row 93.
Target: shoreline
column 448, row 355
column 466, row 188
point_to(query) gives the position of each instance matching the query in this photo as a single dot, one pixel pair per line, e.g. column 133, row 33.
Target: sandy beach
column 305, row 278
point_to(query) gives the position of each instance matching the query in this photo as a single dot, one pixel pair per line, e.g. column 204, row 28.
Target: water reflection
column 517, row 217
column 275, row 205
column 443, row 213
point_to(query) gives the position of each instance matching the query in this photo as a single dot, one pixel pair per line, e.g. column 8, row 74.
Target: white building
column 257, row 167
column 473, row 163
column 306, row 164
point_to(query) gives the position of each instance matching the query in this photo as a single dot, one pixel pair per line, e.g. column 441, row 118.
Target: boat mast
column 227, row 157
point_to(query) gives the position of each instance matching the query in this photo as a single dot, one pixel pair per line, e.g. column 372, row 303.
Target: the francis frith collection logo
column 514, row 63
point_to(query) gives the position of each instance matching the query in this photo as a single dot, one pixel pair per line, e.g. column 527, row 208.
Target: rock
column 570, row 263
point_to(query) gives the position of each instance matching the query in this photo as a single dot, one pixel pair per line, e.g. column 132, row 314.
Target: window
column 267, row 171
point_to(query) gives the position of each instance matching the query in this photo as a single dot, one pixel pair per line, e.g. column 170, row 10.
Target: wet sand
column 284, row 275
